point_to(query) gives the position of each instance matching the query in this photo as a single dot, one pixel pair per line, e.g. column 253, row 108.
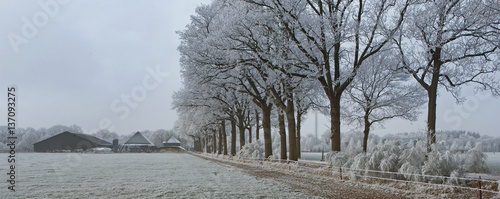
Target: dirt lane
column 314, row 185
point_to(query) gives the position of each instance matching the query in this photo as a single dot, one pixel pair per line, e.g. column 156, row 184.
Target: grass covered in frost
column 50, row 175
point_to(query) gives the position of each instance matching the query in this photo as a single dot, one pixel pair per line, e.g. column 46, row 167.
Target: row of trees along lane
column 243, row 59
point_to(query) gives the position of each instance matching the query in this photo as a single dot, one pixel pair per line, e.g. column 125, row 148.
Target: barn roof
column 93, row 139
column 139, row 139
column 83, row 136
column 173, row 140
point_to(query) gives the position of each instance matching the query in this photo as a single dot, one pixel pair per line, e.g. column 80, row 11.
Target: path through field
column 318, row 186
column 139, row 175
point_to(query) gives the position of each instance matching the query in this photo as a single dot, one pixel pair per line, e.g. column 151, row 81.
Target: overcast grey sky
column 114, row 64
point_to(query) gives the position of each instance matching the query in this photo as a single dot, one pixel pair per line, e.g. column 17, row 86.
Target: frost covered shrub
column 475, row 161
column 358, row 163
column 390, row 163
column 374, row 161
column 410, row 160
column 345, row 158
column 443, row 162
column 354, row 147
column 337, row 159
column 276, row 154
column 385, row 157
column 254, row 150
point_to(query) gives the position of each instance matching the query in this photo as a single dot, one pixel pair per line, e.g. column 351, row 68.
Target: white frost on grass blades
column 136, row 176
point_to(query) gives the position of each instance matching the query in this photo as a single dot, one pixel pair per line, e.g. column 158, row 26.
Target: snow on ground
column 134, row 175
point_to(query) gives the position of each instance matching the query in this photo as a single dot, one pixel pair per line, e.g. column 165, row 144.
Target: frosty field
column 139, row 175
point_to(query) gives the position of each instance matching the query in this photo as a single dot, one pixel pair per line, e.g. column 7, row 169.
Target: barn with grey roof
column 137, row 143
column 172, row 145
column 67, row 141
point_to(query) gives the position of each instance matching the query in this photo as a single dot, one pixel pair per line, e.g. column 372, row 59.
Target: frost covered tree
column 207, row 44
column 201, row 104
column 329, row 40
column 233, row 39
column 380, row 92
column 204, row 110
column 449, row 44
column 307, row 95
column 28, row 138
column 284, row 100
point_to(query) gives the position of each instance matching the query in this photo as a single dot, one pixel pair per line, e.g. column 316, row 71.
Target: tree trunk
column 224, row 136
column 241, row 129
column 249, row 128
column 207, row 143
column 203, row 144
column 197, row 144
column 257, row 129
column 282, row 132
column 432, row 95
column 220, row 142
column 214, row 135
column 299, row 120
column 290, row 117
column 366, row 132
column 335, row 123
column 250, row 134
column 266, row 125
column 431, row 115
column 431, row 120
column 233, row 138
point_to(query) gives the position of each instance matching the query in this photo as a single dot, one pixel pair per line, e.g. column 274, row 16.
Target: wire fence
column 475, row 185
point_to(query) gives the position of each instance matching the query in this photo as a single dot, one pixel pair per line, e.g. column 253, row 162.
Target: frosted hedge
column 408, row 161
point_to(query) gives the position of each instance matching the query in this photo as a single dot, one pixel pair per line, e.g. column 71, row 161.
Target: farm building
column 67, row 141
column 172, row 145
column 137, row 143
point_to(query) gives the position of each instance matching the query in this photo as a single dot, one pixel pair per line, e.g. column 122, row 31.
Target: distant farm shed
column 172, row 142
column 139, row 140
column 172, row 145
column 69, row 141
column 137, row 143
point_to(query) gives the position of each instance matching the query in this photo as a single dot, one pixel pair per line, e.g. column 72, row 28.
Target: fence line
column 401, row 174
column 404, row 174
column 414, row 182
column 331, row 168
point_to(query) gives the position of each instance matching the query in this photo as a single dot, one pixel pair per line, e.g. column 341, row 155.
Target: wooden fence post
column 340, row 173
column 480, row 189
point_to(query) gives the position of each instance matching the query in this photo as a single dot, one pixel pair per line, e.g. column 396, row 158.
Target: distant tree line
column 26, row 137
